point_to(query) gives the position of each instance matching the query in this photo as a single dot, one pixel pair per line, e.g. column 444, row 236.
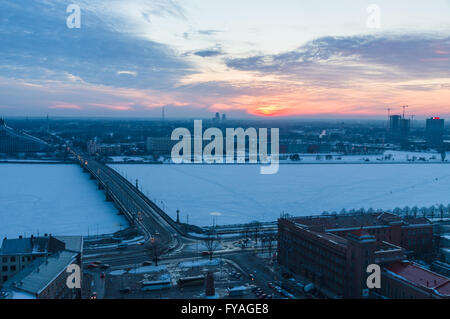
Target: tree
column 267, row 241
column 154, row 249
column 255, row 228
column 211, row 241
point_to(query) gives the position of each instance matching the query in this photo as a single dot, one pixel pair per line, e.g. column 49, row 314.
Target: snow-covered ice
column 55, row 199
column 233, row 194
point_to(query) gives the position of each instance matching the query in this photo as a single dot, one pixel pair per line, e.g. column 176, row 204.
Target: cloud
column 36, row 44
column 132, row 73
column 208, row 53
column 208, row 32
column 334, row 61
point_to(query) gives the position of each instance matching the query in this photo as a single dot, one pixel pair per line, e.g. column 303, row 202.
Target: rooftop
column 35, row 277
column 41, row 245
column 31, row 245
column 421, row 277
column 357, row 220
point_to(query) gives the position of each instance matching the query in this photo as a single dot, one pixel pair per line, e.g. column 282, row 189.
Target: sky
column 247, row 58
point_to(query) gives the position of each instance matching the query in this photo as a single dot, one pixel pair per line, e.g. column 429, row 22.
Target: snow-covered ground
column 56, row 199
column 390, row 156
column 232, row 194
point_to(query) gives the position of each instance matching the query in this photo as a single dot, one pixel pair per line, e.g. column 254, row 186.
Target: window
column 13, row 268
column 5, row 260
column 5, row 268
column 13, row 259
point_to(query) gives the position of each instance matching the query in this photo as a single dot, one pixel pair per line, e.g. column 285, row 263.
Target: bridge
column 131, row 202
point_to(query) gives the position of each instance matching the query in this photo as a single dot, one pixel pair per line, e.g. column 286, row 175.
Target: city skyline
column 196, row 58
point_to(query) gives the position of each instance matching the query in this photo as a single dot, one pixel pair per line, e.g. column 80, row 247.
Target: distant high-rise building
column 435, row 132
column 224, row 117
column 399, row 128
column 394, row 124
column 405, row 127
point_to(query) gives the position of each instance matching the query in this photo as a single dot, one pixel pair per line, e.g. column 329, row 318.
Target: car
column 94, row 295
column 147, row 263
column 206, row 253
column 104, row 266
column 125, row 290
column 270, row 285
column 286, row 275
column 269, row 297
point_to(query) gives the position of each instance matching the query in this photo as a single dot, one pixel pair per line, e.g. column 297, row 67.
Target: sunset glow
column 274, row 60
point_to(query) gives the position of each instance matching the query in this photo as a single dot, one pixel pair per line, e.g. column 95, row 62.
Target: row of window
column 13, row 259
column 6, row 268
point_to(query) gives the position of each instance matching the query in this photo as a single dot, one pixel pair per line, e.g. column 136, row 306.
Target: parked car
column 104, row 266
column 147, row 263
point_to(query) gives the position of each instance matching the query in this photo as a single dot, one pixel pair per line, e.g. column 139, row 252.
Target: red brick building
column 334, row 251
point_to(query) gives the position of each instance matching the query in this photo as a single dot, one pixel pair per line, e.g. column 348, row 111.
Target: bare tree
column 154, row 249
column 211, row 242
column 246, row 233
column 255, row 229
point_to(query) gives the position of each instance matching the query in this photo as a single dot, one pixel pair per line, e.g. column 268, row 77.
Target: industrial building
column 334, row 251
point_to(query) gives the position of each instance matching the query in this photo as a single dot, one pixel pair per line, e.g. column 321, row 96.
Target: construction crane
column 404, row 107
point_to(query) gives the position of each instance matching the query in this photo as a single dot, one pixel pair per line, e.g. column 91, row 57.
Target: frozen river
column 56, row 199
column 238, row 193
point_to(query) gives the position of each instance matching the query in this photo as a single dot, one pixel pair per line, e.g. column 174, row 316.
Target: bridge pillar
column 108, row 197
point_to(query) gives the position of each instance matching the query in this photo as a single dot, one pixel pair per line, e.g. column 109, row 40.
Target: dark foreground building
column 36, row 267
column 333, row 252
